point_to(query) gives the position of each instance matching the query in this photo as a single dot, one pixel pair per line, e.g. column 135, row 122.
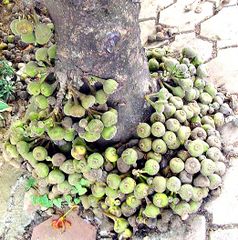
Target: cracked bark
column 102, row 38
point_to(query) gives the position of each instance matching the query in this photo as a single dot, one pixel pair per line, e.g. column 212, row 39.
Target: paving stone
column 222, row 27
column 150, row 8
column 147, row 28
column 218, row 2
column 224, row 208
column 80, row 230
column 175, row 15
column 195, row 229
column 204, row 48
column 224, row 234
column 223, row 70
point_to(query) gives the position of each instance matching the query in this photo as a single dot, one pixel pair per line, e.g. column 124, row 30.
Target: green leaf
column 28, row 38
column 68, row 199
column 4, row 107
column 45, row 202
column 41, row 54
column 77, row 200
column 31, row 69
column 58, row 202
column 43, row 33
column 80, row 190
column 84, row 182
column 52, row 51
column 31, row 182
column 13, row 26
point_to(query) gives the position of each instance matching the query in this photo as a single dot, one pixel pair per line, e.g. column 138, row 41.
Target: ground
column 214, row 34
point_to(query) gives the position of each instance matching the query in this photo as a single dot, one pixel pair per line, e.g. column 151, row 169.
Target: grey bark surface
column 102, row 38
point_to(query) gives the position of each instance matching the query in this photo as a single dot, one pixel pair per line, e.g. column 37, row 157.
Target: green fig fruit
column 110, row 86
column 173, row 184
column 145, row 144
column 127, row 185
column 129, row 156
column 40, row 153
column 192, row 165
column 176, row 165
column 141, row 190
column 143, row 130
column 111, row 154
column 151, row 167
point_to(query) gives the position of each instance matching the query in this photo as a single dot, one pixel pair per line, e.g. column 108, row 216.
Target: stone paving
column 214, row 34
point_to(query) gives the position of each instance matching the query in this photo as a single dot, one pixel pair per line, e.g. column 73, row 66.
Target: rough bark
column 102, row 38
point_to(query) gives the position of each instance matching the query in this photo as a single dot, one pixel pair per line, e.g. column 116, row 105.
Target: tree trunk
column 102, row 38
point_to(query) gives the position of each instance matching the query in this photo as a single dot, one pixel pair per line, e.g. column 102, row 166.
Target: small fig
column 145, row 144
column 141, row 190
column 169, row 110
column 113, row 181
column 159, row 184
column 172, row 124
column 173, row 184
column 158, row 129
column 78, row 152
column 180, row 115
column 183, row 134
column 176, row 165
column 197, row 147
column 67, row 167
column 176, row 101
column 208, row 167
column 129, row 156
column 101, row 97
column 110, row 86
column 192, row 165
column 42, row 170
column 214, row 141
column 157, row 117
column 151, row 211
column 188, row 111
column 56, row 133
column 111, row 154
column 151, row 167
column 109, row 118
column 127, row 185
column 160, row 200
column 186, row 192
column 143, row 130
column 159, row 146
column 201, row 181
column 40, row 153
column 198, row 133
column 108, row 133
column 215, row 181
column 95, row 160
column 95, row 126
column 153, row 64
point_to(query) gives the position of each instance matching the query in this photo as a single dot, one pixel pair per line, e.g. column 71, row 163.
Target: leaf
column 31, row 69
column 4, row 107
column 77, row 200
column 85, row 183
column 58, row 202
column 41, row 54
column 28, row 38
column 45, row 202
column 52, row 51
column 68, row 199
column 43, row 33
column 24, row 27
column 13, row 26
column 80, row 190
column 31, row 182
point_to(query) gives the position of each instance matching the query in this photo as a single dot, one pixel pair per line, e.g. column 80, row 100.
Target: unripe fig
column 127, row 234
column 120, row 225
column 159, row 146
column 214, row 141
column 95, row 126
column 188, row 111
column 91, row 137
column 198, row 133
column 186, row 192
column 155, row 156
column 208, row 167
column 159, row 184
column 67, row 167
column 201, row 181
column 199, row 83
column 160, row 200
column 40, row 153
column 110, row 86
column 192, row 165
column 129, row 156
column 109, row 118
column 56, row 177
column 208, row 120
column 30, row 158
column 101, row 97
column 189, row 53
column 87, row 101
column 199, row 193
column 109, row 133
column 127, row 185
column 183, row 134
column 158, row 129
column 214, row 154
column 143, row 130
column 122, row 166
column 151, row 211
column 169, row 138
column 151, row 167
column 56, row 133
column 176, row 101
column 169, row 110
column 67, row 122
column 69, row 135
column 195, row 107
column 202, row 71
column 64, row 187
column 74, row 178
column 113, row 180
column 57, row 159
column 219, row 119
column 197, row 147
column 22, row 147
column 95, row 160
column 153, row 64
column 215, row 181
column 111, row 193
column 180, row 115
column 33, row 88
column 190, row 95
column 220, row 168
column 163, row 94
column 78, row 152
column 172, row 124
column 145, row 144
column 176, row 165
column 185, row 177
column 132, row 201
column 210, row 89
column 182, row 209
column 126, row 210
column 141, row 190
column 98, row 190
column 173, row 184
column 194, row 206
column 111, row 154
column 177, row 91
column 183, row 154
column 186, row 84
column 157, row 117
column 205, row 98
column 42, row 170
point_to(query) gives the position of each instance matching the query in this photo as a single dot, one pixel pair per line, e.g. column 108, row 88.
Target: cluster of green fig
column 178, row 159
column 32, row 31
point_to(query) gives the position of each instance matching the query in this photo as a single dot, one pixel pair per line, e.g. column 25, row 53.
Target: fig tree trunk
column 102, row 38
